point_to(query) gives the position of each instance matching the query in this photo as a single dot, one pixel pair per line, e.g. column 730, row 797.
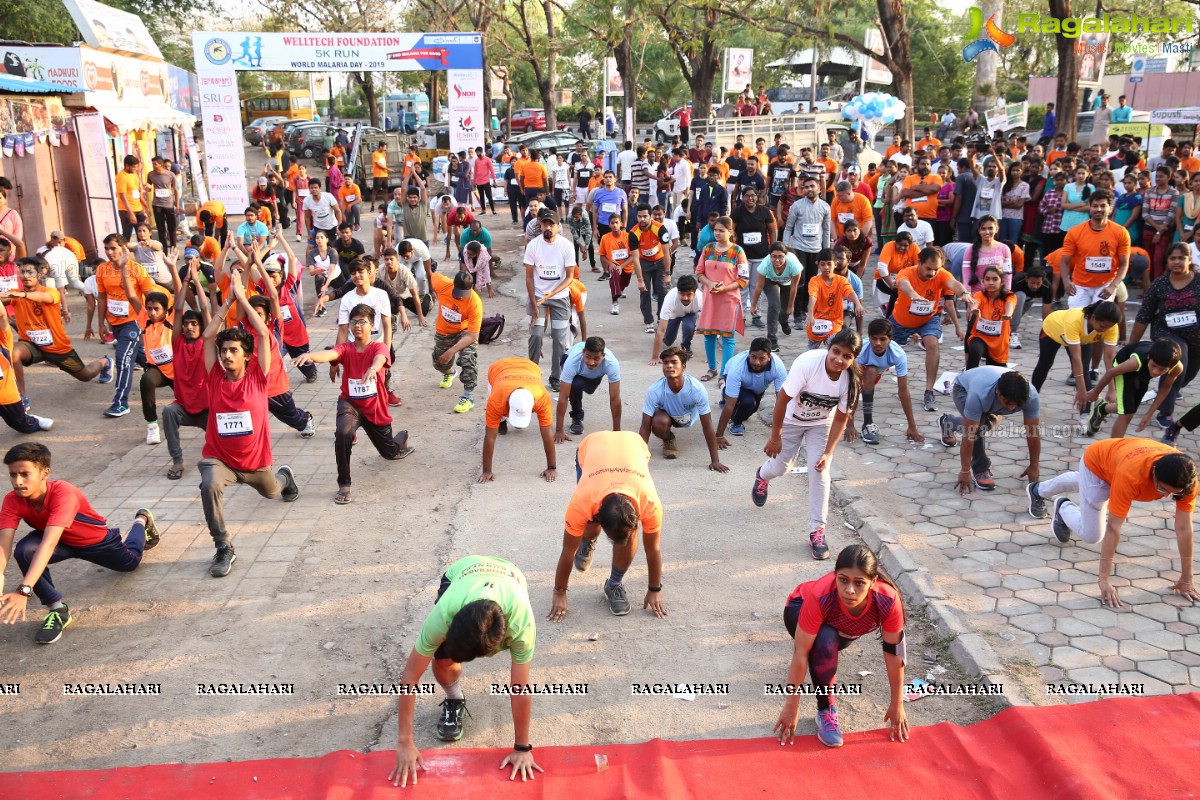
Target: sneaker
column 756, row 322
column 829, row 733
column 393, row 399
column 152, row 536
column 671, row 449
column 290, row 490
column 310, row 378
column 870, row 433
column 583, row 555
column 152, row 434
column 615, row 310
column 930, row 405
column 603, row 277
column 555, row 385
column 1037, row 503
column 1164, row 421
column 1171, row 433
column 1071, row 381
column 106, row 375
column 464, row 405
column 618, row 600
column 44, row 423
column 816, row 540
column 116, row 410
column 107, row 338
column 1062, row 531
column 651, row 328
column 774, row 346
column 321, row 313
column 1093, row 376
column 53, row 625
column 222, row 562
column 949, row 433
column 310, row 428
column 737, row 429
column 984, row 482
column 1014, row 341
column 1096, row 417
column 576, row 427
column 448, row 379
column 450, row 723
column 758, row 492
column 785, row 327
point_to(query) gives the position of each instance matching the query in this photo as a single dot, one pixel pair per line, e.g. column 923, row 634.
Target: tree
column 692, row 31
column 1066, row 99
column 986, row 91
column 615, row 34
column 531, row 36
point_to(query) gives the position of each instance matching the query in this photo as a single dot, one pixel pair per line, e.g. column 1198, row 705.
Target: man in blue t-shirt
column 583, row 367
column 747, row 376
column 678, row 401
column 880, row 355
column 607, row 201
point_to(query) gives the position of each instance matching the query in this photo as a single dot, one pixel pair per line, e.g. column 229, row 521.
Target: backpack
column 491, row 328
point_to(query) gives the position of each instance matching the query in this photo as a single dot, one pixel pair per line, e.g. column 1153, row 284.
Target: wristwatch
column 523, row 748
column 25, row 590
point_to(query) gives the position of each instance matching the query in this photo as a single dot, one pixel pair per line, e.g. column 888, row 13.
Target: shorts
column 901, row 334
column 69, row 362
column 581, row 195
column 1130, row 389
column 675, row 423
column 378, row 184
column 1122, row 293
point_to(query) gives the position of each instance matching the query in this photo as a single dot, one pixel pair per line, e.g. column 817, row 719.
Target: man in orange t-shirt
column 921, row 188
column 532, row 175
column 847, row 205
column 379, row 174
column 350, row 197
column 515, row 394
column 460, row 318
column 122, row 285
column 1111, row 475
column 1097, row 252
column 210, row 220
column 613, row 493
column 40, row 327
column 919, row 294
column 826, row 293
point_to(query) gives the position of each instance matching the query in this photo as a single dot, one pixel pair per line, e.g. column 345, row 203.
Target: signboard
column 1006, row 118
column 1176, row 116
column 876, row 72
column 1092, row 50
column 224, row 157
column 739, row 64
column 97, row 177
column 613, row 85
column 337, row 52
column 1137, row 68
column 1157, row 65
column 109, row 28
column 179, row 89
column 109, row 78
column 465, row 102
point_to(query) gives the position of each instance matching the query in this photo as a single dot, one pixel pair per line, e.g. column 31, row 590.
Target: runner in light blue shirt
column 880, row 354
column 747, row 377
column 586, row 364
column 677, row 401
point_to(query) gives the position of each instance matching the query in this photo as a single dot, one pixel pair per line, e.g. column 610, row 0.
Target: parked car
column 253, row 133
column 525, row 120
column 667, row 128
column 560, row 140
column 308, row 141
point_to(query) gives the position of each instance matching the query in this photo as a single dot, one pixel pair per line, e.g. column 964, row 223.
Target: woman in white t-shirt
column 817, row 399
column 986, row 252
column 322, row 265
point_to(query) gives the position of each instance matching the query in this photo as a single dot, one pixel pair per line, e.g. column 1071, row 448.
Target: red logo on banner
column 438, row 53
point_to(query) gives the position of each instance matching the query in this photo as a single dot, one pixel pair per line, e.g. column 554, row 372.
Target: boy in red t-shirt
column 237, row 441
column 363, row 401
column 64, row 526
column 190, row 408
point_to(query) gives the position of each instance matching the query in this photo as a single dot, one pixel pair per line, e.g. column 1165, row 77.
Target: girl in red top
column 824, row 617
column 363, row 401
column 988, row 329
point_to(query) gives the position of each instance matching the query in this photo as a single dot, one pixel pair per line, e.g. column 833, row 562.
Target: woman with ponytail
column 824, row 617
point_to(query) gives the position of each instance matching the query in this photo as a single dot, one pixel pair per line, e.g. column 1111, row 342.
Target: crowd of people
column 968, row 234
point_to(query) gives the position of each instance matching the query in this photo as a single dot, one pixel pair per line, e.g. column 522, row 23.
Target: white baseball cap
column 520, row 408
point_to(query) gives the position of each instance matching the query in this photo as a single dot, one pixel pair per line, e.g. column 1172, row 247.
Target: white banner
column 1177, row 116
column 337, row 52
column 739, row 62
column 97, row 176
column 111, row 28
column 1006, row 118
column 465, row 100
column 224, row 156
column 613, row 85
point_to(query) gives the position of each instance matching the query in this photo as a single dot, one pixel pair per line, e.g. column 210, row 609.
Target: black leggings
column 977, row 351
column 823, row 658
column 164, row 221
column 1048, row 351
column 152, row 378
column 484, row 190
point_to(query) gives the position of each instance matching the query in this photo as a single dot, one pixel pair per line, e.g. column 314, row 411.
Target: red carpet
column 1120, row 748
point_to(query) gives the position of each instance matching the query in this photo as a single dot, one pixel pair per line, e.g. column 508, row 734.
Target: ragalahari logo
column 984, row 37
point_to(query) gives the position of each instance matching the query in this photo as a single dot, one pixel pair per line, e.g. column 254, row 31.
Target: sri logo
column 984, row 37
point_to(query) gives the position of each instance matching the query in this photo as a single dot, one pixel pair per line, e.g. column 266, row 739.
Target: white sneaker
column 152, row 436
column 615, row 310
column 651, row 328
column 1014, row 340
column 45, row 423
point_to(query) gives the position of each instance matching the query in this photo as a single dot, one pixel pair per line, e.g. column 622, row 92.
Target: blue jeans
column 688, row 323
column 1010, row 230
column 128, row 342
column 110, row 552
column 901, row 334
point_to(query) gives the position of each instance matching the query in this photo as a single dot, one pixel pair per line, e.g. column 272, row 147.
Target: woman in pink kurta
column 723, row 271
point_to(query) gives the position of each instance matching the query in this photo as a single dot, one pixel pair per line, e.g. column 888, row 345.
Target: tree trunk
column 894, row 25
column 1066, row 98
column 546, row 86
column 986, row 90
column 624, row 55
column 366, row 82
column 435, row 88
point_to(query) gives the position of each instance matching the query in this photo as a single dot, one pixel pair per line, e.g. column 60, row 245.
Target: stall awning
column 133, row 117
column 15, row 83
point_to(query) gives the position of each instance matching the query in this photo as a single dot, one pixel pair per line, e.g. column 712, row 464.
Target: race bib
column 920, row 308
column 820, row 327
column 550, row 273
column 807, row 413
column 351, row 198
column 733, row 173
column 752, row 238
column 302, row 192
column 987, row 194
column 1178, row 319
column 41, row 338
column 1097, row 264
column 514, row 182
column 453, row 179
column 136, row 194
column 682, row 420
column 620, row 255
column 162, row 355
column 920, row 199
column 809, row 229
column 845, row 217
column 8, row 284
column 162, row 194
column 744, row 271
column 118, row 308
column 451, row 316
column 362, row 389
column 234, row 423
column 989, row 327
column 584, row 173
column 285, row 313
column 608, row 208
column 650, row 252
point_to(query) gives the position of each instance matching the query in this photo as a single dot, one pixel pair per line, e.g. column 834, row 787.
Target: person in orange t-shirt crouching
column 515, row 395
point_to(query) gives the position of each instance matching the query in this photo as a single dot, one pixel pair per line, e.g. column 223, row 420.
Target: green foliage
column 941, row 79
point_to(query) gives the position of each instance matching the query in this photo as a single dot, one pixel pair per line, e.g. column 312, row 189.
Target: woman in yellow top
column 1077, row 328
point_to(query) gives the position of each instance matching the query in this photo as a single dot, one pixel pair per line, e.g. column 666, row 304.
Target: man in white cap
column 515, row 392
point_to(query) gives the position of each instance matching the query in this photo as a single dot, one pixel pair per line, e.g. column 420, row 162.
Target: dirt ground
column 328, row 595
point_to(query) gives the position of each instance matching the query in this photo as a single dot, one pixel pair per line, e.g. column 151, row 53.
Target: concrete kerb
column 969, row 649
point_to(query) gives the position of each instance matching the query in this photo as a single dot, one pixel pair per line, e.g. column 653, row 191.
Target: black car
column 562, row 141
column 308, row 141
